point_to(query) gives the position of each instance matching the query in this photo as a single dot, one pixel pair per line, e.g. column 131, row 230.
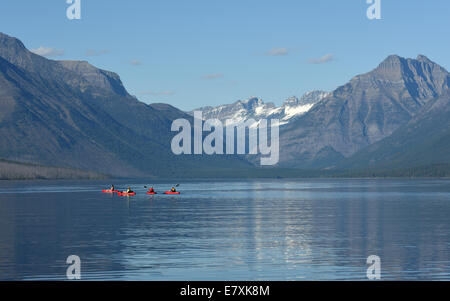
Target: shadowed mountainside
column 71, row 114
column 10, row 170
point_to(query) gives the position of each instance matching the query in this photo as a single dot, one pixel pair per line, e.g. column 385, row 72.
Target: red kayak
column 109, row 191
column 151, row 192
column 125, row 193
column 170, row 192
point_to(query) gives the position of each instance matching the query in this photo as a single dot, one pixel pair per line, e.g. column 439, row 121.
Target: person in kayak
column 112, row 187
column 173, row 189
column 129, row 190
column 151, row 190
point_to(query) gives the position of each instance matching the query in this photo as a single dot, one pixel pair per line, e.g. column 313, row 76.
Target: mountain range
column 255, row 108
column 70, row 114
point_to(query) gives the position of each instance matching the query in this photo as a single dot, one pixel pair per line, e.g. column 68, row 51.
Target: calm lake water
column 227, row 230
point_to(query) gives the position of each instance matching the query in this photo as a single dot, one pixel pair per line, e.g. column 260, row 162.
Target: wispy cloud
column 278, row 52
column 213, row 76
column 136, row 63
column 324, row 59
column 92, row 52
column 48, row 51
column 158, row 93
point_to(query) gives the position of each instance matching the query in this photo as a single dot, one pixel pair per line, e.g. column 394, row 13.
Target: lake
column 304, row 229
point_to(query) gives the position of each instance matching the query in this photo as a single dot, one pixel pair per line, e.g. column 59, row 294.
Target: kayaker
column 112, row 187
column 151, row 190
column 129, row 190
column 173, row 189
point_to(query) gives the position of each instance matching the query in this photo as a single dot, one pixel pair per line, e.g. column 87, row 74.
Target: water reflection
column 240, row 230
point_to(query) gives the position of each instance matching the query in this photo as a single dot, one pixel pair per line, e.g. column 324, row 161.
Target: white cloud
column 92, row 52
column 213, row 76
column 48, row 51
column 278, row 52
column 324, row 59
column 136, row 63
column 160, row 93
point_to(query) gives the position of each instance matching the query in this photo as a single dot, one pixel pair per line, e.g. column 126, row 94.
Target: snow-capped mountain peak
column 311, row 97
column 255, row 108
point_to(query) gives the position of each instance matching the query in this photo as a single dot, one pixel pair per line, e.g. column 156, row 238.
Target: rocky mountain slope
column 364, row 111
column 423, row 141
column 71, row 114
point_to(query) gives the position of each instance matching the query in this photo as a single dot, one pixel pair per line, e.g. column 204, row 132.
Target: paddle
column 176, row 186
column 152, row 186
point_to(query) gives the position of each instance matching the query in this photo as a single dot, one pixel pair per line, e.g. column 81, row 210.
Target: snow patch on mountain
column 292, row 111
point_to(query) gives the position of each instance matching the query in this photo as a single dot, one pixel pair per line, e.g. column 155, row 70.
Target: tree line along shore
column 12, row 170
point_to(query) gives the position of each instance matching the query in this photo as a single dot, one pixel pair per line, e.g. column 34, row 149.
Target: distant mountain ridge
column 255, row 108
column 82, row 77
column 325, row 129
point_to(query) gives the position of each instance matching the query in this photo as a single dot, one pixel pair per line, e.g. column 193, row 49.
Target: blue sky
column 196, row 53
